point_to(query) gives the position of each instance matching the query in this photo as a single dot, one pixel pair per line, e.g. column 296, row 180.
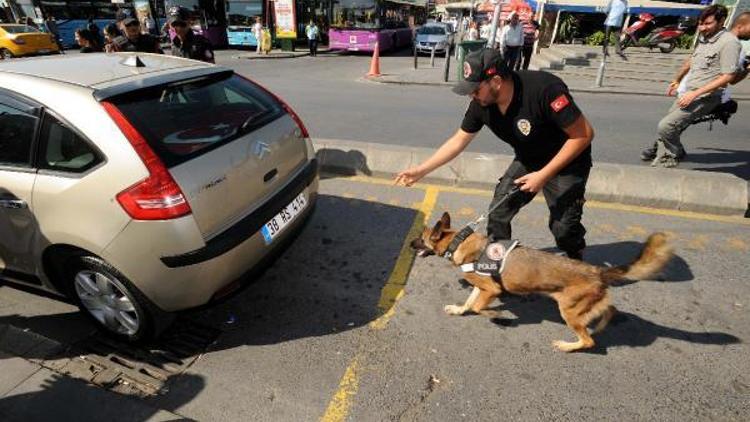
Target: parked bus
column 359, row 24
column 72, row 15
column 241, row 17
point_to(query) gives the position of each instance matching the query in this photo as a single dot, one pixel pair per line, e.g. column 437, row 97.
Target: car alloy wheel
column 107, row 302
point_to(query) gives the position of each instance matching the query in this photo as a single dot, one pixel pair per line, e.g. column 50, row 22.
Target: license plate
column 352, row 39
column 281, row 220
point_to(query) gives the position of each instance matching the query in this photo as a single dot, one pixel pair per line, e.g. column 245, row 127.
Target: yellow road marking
column 393, row 291
column 338, row 408
column 589, row 203
column 397, row 280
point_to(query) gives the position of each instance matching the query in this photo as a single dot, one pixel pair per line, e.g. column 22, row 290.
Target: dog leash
column 515, row 189
column 468, row 230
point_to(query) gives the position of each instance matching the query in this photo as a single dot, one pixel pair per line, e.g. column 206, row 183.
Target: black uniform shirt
column 145, row 43
column 533, row 124
column 195, row 47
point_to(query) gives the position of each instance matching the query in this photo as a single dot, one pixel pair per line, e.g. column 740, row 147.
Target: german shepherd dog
column 580, row 289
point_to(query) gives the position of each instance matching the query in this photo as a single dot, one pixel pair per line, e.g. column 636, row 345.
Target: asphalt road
column 307, row 340
column 334, row 102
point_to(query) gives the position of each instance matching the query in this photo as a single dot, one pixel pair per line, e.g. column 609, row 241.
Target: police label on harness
column 492, row 261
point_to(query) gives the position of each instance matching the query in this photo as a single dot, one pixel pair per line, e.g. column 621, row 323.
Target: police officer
column 134, row 40
column 534, row 113
column 186, row 44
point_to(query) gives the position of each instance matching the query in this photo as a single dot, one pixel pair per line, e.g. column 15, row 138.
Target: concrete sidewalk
column 426, row 75
column 33, row 387
column 685, row 190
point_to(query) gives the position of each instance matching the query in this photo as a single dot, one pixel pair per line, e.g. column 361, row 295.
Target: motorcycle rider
column 712, row 66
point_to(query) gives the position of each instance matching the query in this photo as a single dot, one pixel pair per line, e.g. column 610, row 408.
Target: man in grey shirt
column 712, row 66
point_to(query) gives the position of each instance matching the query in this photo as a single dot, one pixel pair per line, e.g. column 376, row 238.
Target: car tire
column 110, row 299
column 6, row 54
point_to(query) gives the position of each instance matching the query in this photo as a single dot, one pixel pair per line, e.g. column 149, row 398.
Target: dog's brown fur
column 580, row 289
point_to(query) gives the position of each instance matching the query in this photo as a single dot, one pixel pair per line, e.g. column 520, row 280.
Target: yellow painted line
column 590, row 204
column 400, row 273
column 393, row 291
column 338, row 408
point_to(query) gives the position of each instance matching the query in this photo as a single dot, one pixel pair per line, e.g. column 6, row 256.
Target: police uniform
column 533, row 125
column 194, row 47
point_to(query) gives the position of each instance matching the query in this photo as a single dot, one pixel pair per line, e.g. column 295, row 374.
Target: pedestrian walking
column 534, row 112
column 713, row 65
column 511, row 40
column 529, row 39
column 150, row 24
column 51, row 25
column 87, row 41
column 113, row 36
column 186, row 44
column 473, row 33
column 612, row 24
column 312, row 32
column 258, row 33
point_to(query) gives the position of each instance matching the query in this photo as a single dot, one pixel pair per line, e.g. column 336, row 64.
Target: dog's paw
column 564, row 346
column 454, row 310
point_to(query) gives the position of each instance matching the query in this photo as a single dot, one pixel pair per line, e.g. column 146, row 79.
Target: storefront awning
column 420, row 3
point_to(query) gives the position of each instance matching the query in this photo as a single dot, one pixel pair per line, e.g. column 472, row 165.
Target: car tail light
column 19, row 41
column 157, row 197
column 285, row 106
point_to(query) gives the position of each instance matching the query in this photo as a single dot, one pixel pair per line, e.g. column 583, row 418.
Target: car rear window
column 185, row 119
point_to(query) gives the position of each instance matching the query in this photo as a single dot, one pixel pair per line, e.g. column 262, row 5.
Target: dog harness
column 492, row 261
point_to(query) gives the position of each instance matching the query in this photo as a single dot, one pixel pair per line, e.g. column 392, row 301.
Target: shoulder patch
column 559, row 103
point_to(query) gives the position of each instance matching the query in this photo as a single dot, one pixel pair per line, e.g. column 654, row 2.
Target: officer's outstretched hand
column 532, row 182
column 409, row 177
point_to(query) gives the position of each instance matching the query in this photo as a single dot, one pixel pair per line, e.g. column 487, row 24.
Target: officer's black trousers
column 564, row 195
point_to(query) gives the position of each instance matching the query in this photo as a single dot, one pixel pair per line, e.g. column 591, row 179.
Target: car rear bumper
column 147, row 252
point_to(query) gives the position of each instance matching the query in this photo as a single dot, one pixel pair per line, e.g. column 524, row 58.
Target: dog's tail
column 654, row 256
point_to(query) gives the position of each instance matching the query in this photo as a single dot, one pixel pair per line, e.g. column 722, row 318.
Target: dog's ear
column 437, row 231
column 446, row 220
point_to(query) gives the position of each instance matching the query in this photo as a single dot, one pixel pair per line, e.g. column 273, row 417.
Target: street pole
column 493, row 28
column 432, row 57
column 447, row 64
column 600, row 73
column 554, row 29
column 415, row 52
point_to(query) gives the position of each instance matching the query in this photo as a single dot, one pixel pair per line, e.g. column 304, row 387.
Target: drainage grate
column 139, row 370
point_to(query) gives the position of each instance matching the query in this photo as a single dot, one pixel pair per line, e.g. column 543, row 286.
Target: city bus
column 71, row 15
column 241, row 17
column 359, row 24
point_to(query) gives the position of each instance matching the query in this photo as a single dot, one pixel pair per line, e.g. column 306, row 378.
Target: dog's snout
column 417, row 243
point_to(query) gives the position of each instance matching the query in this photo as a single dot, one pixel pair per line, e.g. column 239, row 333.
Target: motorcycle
column 644, row 32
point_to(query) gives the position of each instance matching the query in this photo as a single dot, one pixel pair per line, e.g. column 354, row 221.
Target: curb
column 684, row 190
column 283, row 55
column 573, row 88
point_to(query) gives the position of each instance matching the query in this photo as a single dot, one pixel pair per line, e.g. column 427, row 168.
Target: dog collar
column 457, row 241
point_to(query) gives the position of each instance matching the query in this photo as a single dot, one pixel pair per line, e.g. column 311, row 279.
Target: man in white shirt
column 511, row 41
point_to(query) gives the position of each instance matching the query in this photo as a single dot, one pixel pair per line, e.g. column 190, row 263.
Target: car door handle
column 16, row 204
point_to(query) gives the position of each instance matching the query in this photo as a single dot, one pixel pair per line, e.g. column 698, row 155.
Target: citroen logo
column 261, row 149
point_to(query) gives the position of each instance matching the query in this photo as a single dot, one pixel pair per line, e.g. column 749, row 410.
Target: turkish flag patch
column 559, row 103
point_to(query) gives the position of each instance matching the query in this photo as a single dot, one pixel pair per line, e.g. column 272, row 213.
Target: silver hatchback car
column 143, row 185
